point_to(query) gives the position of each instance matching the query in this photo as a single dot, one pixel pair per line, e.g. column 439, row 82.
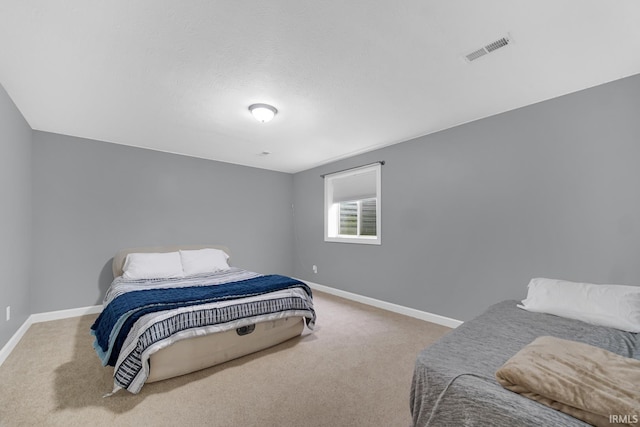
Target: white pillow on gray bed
column 199, row 261
column 152, row 266
column 614, row 306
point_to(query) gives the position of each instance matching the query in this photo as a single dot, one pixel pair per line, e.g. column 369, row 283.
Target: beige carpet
column 353, row 370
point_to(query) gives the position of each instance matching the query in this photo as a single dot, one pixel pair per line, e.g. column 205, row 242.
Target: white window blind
column 356, row 186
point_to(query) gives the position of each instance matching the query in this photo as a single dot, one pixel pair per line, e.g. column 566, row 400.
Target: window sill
column 356, row 240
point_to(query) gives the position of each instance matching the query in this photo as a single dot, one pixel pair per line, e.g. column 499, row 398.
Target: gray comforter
column 454, row 379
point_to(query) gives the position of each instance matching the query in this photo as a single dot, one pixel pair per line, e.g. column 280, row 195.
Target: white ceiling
column 346, row 76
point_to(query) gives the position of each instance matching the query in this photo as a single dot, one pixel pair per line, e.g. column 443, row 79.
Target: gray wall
column 93, row 198
column 15, row 216
column 470, row 214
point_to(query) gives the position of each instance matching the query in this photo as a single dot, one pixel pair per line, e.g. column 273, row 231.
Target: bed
column 154, row 329
column 454, row 380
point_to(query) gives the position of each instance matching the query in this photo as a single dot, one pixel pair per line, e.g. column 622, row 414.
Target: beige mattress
column 193, row 354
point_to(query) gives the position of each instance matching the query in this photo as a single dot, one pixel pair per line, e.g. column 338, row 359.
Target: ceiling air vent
column 504, row 41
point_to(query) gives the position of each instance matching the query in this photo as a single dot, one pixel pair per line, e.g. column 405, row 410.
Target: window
column 352, row 206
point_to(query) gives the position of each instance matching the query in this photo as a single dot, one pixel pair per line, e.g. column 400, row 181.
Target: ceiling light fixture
column 263, row 112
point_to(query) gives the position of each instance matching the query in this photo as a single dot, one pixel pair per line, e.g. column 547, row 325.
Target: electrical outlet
column 315, row 269
column 8, row 313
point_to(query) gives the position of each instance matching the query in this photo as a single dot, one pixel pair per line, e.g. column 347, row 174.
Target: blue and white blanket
column 142, row 316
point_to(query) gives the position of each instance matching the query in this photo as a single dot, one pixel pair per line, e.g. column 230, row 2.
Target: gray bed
column 454, row 379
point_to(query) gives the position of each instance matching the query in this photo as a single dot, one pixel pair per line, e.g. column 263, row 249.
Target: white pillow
column 152, row 266
column 206, row 260
column 614, row 306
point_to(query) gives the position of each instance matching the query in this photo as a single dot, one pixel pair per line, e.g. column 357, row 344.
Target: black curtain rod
column 382, row 162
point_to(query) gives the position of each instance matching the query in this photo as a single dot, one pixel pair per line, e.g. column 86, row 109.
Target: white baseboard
column 63, row 314
column 43, row 317
column 13, row 341
column 412, row 312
